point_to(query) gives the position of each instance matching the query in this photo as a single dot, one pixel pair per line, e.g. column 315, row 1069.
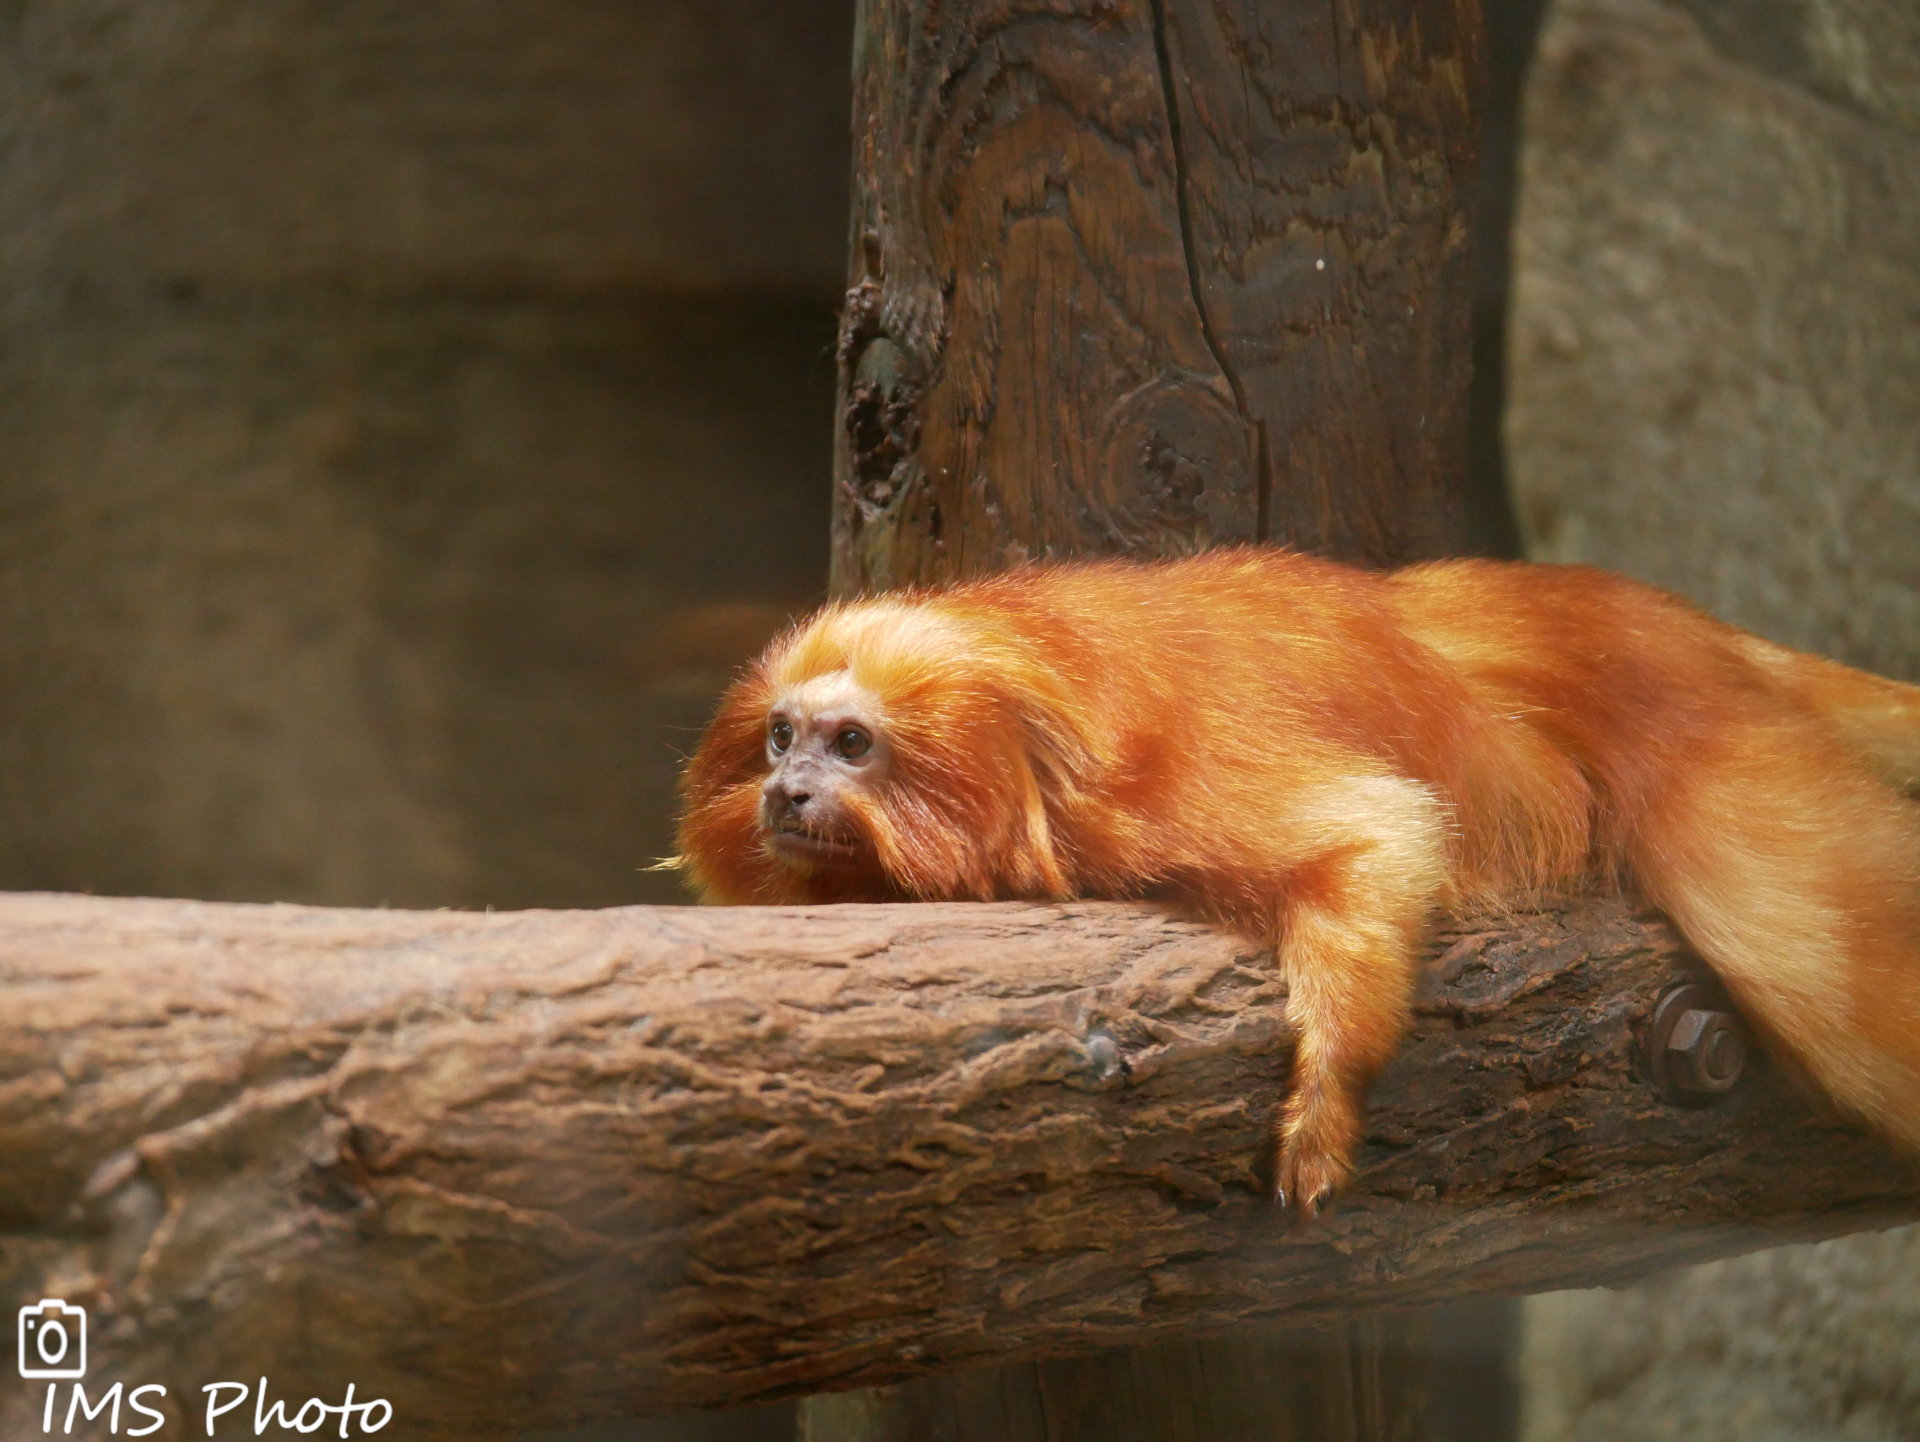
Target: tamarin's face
column 827, row 750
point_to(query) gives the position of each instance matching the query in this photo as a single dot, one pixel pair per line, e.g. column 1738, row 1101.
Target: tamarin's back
column 1322, row 755
column 1558, row 688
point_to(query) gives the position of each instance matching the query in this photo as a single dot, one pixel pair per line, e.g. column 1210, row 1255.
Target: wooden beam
column 514, row 1170
column 1143, row 277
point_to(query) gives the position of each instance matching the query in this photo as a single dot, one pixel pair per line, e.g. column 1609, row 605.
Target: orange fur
column 1323, row 756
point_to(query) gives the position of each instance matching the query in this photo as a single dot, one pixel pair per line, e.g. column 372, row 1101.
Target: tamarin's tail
column 1795, row 870
column 1876, row 718
column 1763, row 798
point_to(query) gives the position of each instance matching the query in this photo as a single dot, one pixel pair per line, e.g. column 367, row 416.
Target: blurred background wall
column 1715, row 344
column 406, row 422
column 1714, row 384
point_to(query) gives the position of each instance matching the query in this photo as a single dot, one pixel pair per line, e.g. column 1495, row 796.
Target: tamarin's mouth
column 808, row 844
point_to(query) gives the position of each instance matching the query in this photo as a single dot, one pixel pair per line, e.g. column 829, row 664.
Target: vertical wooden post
column 1147, row 276
column 1150, row 275
column 1361, row 1382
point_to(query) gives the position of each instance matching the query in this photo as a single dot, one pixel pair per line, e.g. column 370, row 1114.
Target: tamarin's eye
column 781, row 734
column 852, row 741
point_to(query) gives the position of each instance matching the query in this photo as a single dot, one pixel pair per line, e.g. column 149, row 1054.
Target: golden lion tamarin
column 1320, row 757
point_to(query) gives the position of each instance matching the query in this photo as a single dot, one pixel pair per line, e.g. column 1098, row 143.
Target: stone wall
column 1715, row 351
column 1714, row 374
column 1800, row 1344
column 407, row 418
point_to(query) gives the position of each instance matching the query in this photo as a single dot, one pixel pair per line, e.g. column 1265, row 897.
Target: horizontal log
column 532, row 1168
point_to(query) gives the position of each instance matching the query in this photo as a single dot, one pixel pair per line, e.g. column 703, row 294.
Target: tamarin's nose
column 781, row 798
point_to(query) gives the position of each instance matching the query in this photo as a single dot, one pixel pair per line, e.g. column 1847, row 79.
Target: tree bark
column 1148, row 275
column 517, row 1170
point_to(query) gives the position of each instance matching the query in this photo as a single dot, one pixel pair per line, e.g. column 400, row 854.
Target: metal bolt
column 1698, row 1044
column 1706, row 1052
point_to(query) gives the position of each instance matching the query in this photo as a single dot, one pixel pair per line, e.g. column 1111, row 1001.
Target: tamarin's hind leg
column 1351, row 919
column 1796, row 873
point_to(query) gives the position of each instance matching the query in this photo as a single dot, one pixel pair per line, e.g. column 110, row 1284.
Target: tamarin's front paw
column 1308, row 1178
column 1315, row 1162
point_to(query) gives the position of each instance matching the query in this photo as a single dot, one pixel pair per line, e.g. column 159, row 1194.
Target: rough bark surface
column 1148, row 275
column 517, row 1169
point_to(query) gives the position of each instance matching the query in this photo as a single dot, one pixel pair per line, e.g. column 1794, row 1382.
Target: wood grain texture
column 1147, row 277
column 528, row 1168
column 1328, row 161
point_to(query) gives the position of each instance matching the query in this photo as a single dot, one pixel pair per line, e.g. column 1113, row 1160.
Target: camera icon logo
column 53, row 1341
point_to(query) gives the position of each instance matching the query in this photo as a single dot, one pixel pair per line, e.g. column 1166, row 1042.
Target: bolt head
column 1707, row 1051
